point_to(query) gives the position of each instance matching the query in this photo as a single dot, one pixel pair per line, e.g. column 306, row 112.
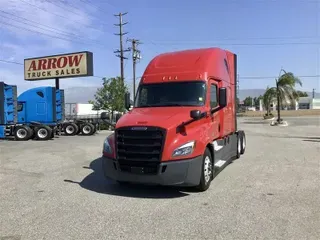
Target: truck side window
column 19, row 107
column 213, row 96
column 40, row 94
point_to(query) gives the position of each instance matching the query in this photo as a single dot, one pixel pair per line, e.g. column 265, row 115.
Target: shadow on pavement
column 97, row 182
column 256, row 122
column 311, row 140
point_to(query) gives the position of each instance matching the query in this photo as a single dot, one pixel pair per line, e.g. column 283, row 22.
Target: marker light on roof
column 163, row 78
column 176, row 77
column 169, row 78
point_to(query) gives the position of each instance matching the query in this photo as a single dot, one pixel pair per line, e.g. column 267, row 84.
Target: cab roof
column 190, row 64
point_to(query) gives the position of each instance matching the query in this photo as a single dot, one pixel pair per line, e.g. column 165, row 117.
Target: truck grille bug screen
column 139, row 149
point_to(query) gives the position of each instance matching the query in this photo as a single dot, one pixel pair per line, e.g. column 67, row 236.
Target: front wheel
column 243, row 142
column 207, row 171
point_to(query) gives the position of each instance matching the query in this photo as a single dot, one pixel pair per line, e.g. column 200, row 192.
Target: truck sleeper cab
column 182, row 129
column 37, row 113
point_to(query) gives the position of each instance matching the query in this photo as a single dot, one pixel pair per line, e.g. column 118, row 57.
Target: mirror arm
column 215, row 110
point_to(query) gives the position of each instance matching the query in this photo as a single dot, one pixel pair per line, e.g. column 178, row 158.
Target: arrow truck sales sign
column 69, row 65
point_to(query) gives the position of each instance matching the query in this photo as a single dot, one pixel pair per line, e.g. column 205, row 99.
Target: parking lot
column 56, row 190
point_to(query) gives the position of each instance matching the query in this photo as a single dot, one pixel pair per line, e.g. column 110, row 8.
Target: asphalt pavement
column 56, row 190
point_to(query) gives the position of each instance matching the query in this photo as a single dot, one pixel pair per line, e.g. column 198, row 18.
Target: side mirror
column 104, row 115
column 222, row 97
column 195, row 114
column 127, row 104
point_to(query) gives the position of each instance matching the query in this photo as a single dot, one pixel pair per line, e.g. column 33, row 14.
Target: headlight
column 184, row 150
column 106, row 145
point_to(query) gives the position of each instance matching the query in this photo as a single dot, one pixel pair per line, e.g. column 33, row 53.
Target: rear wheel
column 43, row 133
column 30, row 132
column 70, row 129
column 21, row 133
column 87, row 129
column 207, row 171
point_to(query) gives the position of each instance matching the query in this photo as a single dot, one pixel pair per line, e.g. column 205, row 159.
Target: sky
column 266, row 35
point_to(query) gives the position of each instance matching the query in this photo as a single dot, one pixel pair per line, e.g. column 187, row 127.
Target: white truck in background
column 85, row 112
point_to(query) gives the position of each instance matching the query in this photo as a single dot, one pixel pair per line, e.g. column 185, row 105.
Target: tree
column 256, row 101
column 286, row 92
column 301, row 94
column 269, row 96
column 247, row 101
column 110, row 95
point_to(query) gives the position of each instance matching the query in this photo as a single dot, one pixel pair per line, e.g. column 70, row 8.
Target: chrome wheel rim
column 207, row 169
column 70, row 129
column 42, row 133
column 86, row 129
column 21, row 133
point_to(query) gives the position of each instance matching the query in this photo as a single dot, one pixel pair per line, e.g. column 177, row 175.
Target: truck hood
column 165, row 117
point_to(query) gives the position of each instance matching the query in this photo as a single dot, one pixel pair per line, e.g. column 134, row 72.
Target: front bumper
column 178, row 173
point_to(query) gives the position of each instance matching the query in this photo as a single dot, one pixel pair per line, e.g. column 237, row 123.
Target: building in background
column 309, row 103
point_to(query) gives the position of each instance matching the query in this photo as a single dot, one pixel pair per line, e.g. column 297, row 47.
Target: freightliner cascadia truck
column 182, row 129
column 37, row 113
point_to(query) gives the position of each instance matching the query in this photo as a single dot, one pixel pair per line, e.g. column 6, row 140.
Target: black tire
column 238, row 145
column 43, row 133
column 123, row 183
column 79, row 129
column 87, row 129
column 21, row 133
column 30, row 132
column 243, row 142
column 207, row 166
column 70, row 129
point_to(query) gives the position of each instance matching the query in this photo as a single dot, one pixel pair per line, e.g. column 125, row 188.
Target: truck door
column 215, row 117
column 21, row 109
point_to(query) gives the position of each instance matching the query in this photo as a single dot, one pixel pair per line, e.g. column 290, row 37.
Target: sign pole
column 57, row 83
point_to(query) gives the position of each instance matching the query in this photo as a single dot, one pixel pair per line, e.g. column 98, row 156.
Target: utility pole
column 135, row 56
column 313, row 92
column 121, row 51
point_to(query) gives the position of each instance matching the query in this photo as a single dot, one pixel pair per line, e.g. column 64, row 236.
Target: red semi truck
column 182, row 129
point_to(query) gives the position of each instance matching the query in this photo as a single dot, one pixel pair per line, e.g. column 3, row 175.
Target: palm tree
column 286, row 92
column 269, row 96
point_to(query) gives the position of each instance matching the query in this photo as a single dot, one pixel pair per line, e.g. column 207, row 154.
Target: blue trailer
column 37, row 113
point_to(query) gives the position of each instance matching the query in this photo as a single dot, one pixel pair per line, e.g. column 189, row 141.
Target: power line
column 269, row 77
column 43, row 9
column 5, row 61
column 241, row 39
column 235, row 44
column 37, row 23
column 52, row 36
column 66, row 9
column 37, row 26
column 240, row 77
column 97, row 7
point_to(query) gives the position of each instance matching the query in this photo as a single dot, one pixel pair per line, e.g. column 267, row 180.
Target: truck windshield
column 191, row 93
